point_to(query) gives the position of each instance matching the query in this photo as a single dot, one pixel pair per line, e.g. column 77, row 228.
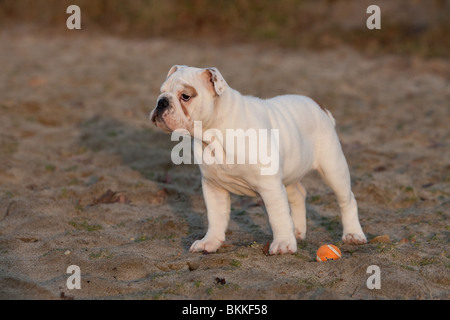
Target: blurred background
column 408, row 26
column 87, row 179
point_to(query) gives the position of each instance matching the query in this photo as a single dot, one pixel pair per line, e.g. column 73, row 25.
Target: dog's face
column 188, row 95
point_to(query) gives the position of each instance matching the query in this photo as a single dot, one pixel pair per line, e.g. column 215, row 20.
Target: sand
column 74, row 124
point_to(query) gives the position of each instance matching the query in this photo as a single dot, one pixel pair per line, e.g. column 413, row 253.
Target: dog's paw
column 206, row 244
column 299, row 235
column 283, row 246
column 354, row 238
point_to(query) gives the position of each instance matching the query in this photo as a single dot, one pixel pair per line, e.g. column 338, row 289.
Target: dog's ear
column 173, row 70
column 214, row 81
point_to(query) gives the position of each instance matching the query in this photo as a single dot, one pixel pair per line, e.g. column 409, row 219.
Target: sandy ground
column 74, row 124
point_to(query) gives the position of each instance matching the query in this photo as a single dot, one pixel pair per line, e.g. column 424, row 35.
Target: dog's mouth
column 161, row 124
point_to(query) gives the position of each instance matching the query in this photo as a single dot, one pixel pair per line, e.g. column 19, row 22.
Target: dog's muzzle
column 162, row 105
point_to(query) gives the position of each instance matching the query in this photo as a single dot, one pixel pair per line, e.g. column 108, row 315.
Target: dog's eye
column 185, row 97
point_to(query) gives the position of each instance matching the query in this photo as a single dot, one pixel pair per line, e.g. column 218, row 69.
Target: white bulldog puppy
column 306, row 140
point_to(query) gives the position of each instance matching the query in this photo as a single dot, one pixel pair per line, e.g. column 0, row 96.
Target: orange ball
column 328, row 252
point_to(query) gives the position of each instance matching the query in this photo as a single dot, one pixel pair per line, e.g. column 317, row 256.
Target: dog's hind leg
column 334, row 171
column 296, row 196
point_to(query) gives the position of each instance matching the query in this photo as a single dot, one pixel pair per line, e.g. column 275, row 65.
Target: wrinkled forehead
column 181, row 79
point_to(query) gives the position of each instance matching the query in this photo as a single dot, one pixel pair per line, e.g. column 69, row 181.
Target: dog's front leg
column 218, row 209
column 277, row 206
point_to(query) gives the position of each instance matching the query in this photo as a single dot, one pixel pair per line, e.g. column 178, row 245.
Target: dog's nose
column 161, row 105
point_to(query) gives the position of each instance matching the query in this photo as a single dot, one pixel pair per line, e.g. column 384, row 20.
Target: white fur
column 308, row 141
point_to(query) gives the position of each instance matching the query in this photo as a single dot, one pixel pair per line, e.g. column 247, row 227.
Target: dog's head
column 188, row 95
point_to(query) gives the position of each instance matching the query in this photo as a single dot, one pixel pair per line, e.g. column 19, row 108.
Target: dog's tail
column 327, row 112
column 330, row 116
